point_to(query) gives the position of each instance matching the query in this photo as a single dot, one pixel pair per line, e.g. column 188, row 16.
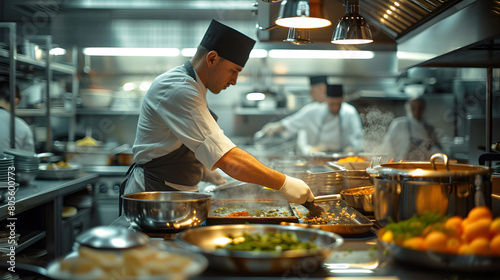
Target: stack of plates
column 4, row 242
column 26, row 164
column 6, row 162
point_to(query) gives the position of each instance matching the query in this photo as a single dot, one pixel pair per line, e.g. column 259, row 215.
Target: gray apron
column 178, row 167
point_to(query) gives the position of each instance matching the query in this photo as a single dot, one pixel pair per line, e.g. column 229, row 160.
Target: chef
column 178, row 140
column 317, row 91
column 330, row 126
column 410, row 137
column 24, row 136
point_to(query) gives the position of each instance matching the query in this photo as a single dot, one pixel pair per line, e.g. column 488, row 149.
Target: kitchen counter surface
column 358, row 258
column 42, row 191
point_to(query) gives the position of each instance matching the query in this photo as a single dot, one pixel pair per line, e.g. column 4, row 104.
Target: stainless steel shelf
column 60, row 112
column 41, row 64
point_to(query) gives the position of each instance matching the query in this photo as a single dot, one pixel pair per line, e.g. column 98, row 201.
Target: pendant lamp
column 298, row 36
column 302, row 14
column 352, row 28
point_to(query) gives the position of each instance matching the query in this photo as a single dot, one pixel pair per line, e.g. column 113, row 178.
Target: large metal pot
column 405, row 189
column 166, row 211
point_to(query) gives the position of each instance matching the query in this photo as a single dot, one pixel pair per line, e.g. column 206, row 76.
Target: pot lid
column 429, row 168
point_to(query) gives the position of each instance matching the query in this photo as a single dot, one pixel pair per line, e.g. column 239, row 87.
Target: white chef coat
column 322, row 128
column 401, row 132
column 175, row 112
column 24, row 136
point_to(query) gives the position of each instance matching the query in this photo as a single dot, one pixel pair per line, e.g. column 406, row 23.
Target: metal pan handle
column 441, row 156
column 328, row 197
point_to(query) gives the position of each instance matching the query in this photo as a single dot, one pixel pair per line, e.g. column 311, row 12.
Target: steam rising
column 375, row 126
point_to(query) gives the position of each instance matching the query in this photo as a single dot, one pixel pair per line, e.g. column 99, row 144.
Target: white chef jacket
column 397, row 140
column 175, row 112
column 24, row 136
column 322, row 128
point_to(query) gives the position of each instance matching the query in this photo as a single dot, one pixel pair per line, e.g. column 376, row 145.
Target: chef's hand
column 272, row 128
column 213, row 176
column 296, row 191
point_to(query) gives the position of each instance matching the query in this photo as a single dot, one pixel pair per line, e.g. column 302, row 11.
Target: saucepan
column 166, row 210
column 405, row 189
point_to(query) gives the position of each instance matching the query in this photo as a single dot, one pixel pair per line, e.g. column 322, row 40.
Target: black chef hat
column 318, row 80
column 228, row 43
column 334, row 91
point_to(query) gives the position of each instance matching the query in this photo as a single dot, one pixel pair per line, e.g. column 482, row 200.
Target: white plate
column 59, row 174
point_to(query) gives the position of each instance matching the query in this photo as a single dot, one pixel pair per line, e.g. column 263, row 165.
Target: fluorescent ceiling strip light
column 57, row 51
column 131, row 51
column 414, row 55
column 255, row 53
column 321, row 54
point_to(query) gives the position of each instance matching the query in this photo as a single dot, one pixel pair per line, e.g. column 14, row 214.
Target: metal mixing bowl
column 205, row 239
column 357, row 199
column 166, row 211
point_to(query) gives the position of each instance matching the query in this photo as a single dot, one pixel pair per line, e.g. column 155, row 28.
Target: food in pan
column 269, row 241
column 476, row 234
column 352, row 159
column 331, row 218
column 232, row 211
column 58, row 165
column 142, row 262
column 86, row 141
column 239, row 214
column 359, row 191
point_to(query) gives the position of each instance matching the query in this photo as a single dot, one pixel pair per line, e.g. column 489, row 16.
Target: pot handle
column 441, row 156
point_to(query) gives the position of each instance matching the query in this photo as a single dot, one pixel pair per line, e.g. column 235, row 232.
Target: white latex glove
column 213, row 176
column 272, row 128
column 296, row 191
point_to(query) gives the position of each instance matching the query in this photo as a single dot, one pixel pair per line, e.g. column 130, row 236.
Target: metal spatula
column 314, row 209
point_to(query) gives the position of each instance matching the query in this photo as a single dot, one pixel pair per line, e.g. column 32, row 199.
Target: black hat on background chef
column 228, row 43
column 318, row 80
column 334, row 91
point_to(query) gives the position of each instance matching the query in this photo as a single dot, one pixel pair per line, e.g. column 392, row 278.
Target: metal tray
column 443, row 261
column 262, row 211
column 352, row 222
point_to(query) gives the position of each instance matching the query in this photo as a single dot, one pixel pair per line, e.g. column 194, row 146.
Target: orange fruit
column 454, row 225
column 465, row 249
column 453, row 245
column 495, row 226
column 436, row 241
column 480, row 246
column 388, row 236
column 476, row 229
column 415, row 243
column 480, row 212
column 495, row 245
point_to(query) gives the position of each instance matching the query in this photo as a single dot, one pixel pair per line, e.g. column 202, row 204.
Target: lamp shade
column 302, row 14
column 298, row 36
column 352, row 28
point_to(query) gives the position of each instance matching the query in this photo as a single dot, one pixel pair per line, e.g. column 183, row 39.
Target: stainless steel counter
column 42, row 191
column 358, row 258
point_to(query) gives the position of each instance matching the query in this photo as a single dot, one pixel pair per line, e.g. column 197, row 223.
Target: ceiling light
column 302, row 14
column 352, row 28
column 57, row 51
column 298, row 36
column 131, row 51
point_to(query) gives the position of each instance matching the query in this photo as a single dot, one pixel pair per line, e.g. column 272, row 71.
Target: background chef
column 332, row 126
column 178, row 139
column 317, row 91
column 410, row 137
column 24, row 136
